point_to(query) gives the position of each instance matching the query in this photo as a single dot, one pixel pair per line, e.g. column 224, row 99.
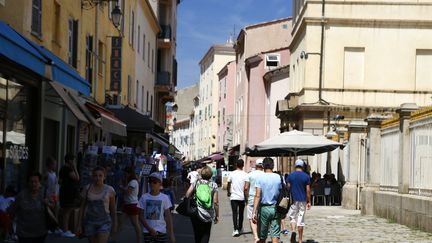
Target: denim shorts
column 93, row 228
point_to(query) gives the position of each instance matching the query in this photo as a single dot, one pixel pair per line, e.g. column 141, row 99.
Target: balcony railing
column 163, row 78
column 165, row 33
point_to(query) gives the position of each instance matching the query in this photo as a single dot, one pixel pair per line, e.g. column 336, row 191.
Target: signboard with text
column 116, row 55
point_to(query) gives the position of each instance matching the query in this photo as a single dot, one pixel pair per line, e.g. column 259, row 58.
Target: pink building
column 226, row 106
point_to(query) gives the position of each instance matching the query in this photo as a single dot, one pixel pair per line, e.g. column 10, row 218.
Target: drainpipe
column 96, row 50
column 320, row 99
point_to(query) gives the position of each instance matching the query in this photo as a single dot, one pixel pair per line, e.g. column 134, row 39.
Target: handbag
column 187, row 207
column 283, row 202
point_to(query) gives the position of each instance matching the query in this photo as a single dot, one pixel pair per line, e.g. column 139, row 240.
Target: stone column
column 404, row 145
column 356, row 130
column 373, row 164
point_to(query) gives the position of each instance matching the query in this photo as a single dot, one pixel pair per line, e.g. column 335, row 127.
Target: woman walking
column 97, row 215
column 131, row 200
column 203, row 221
column 29, row 209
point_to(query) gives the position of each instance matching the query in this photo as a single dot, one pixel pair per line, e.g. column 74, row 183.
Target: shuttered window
column 73, row 42
column 36, row 26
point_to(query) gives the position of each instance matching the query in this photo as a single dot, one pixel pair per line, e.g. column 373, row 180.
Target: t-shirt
column 5, row 202
column 66, row 181
column 298, row 181
column 269, row 183
column 104, row 195
column 30, row 214
column 52, row 186
column 154, row 208
column 133, row 197
column 237, row 179
column 193, row 176
column 252, row 178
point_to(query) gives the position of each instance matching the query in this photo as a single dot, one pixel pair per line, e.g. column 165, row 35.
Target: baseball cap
column 299, row 162
column 259, row 162
column 156, row 175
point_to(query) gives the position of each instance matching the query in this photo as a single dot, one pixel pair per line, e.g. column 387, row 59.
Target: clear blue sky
column 202, row 23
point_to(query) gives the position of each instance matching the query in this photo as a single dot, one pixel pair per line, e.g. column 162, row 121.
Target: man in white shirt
column 193, row 176
column 236, row 192
column 250, row 190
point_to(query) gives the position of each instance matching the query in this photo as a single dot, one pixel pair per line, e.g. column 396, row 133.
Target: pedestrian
column 208, row 210
column 29, row 210
column 130, row 200
column 97, row 215
column 6, row 200
column 214, row 171
column 299, row 183
column 69, row 193
column 155, row 214
column 237, row 193
column 167, row 190
column 267, row 192
column 193, row 176
column 52, row 187
column 250, row 191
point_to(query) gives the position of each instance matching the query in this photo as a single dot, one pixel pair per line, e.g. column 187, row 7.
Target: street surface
column 323, row 224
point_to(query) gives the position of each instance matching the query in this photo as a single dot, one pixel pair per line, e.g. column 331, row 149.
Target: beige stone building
column 205, row 118
column 355, row 58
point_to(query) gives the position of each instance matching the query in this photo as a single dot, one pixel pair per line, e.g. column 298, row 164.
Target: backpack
column 203, row 195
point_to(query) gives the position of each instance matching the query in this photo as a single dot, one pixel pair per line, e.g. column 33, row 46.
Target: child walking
column 155, row 213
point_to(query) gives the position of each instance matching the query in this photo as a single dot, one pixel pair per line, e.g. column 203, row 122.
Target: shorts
column 5, row 220
column 269, row 219
column 93, row 228
column 131, row 209
column 160, row 237
column 296, row 213
column 249, row 211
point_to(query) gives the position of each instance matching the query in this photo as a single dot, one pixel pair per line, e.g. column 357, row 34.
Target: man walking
column 267, row 192
column 299, row 183
column 237, row 194
column 250, row 191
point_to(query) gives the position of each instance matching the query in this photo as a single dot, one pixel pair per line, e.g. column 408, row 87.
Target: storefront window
column 16, row 132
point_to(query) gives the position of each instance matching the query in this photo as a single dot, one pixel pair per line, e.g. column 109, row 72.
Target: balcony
column 164, row 37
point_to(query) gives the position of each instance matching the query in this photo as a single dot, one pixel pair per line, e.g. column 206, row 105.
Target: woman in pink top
column 97, row 215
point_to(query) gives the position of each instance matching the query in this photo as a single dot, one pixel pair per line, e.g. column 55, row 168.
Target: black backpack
column 284, row 199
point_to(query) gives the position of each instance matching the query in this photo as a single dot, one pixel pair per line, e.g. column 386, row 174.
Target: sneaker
column 68, row 234
column 293, row 237
column 285, row 232
column 58, row 231
column 235, row 233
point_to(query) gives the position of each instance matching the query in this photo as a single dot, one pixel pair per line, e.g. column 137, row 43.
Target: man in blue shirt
column 266, row 194
column 299, row 183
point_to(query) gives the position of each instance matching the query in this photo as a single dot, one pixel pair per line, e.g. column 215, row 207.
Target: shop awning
column 73, row 107
column 159, row 139
column 18, row 49
column 108, row 121
column 135, row 121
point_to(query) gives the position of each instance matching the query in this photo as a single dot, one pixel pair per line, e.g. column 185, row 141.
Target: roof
column 256, row 25
column 227, row 48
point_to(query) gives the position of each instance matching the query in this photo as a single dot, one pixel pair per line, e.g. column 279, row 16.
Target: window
column 423, row 70
column 89, row 59
column 73, row 42
column 56, row 23
column 129, row 89
column 353, row 67
column 152, row 61
column 142, row 98
column 151, row 106
column 101, row 58
column 139, row 39
column 272, row 60
column 136, row 93
column 143, row 48
column 223, row 116
column 148, row 101
column 131, row 28
column 123, row 9
column 219, row 118
column 148, row 54
column 36, row 26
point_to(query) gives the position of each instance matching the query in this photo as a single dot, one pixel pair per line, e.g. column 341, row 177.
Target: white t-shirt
column 154, row 208
column 52, row 185
column 5, row 202
column 193, row 176
column 133, row 197
column 237, row 179
column 252, row 179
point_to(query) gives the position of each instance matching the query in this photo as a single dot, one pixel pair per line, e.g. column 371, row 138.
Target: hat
column 156, row 175
column 259, row 162
column 299, row 163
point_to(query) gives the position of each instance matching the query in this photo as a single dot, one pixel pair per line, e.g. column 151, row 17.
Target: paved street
column 323, row 224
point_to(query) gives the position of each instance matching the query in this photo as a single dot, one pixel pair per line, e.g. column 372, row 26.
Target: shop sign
column 17, row 152
column 116, row 62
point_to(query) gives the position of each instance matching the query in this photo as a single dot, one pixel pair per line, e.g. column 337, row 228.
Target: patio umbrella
column 293, row 143
column 216, row 156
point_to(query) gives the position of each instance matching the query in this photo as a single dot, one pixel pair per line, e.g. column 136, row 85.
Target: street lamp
column 116, row 13
column 116, row 16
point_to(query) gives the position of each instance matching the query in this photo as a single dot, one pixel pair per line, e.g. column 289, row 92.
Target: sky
column 202, row 23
